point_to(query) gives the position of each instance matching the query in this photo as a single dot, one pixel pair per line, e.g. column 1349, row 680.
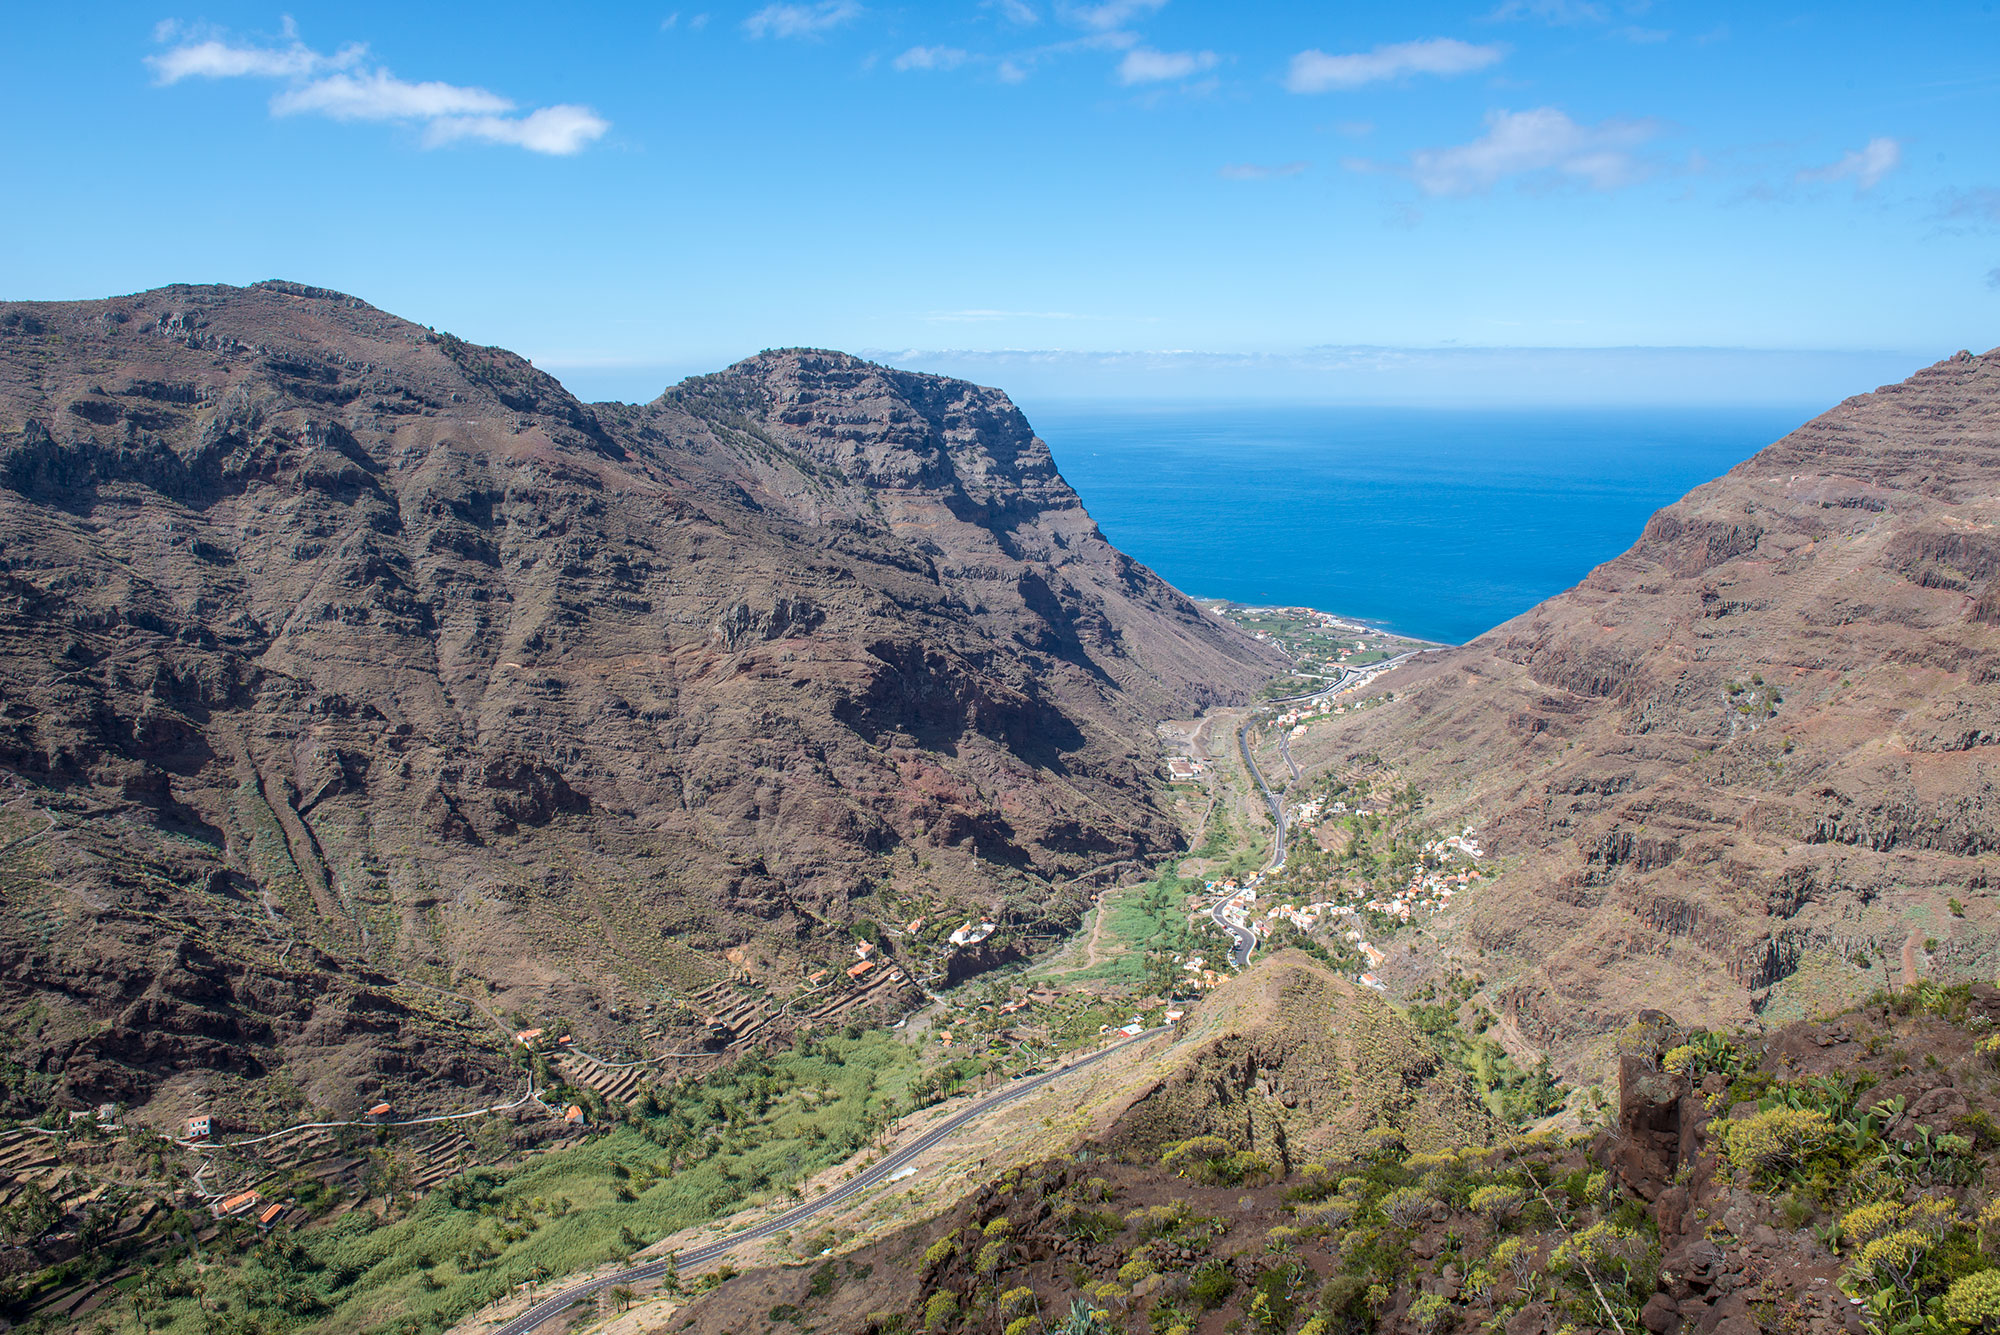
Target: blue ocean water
column 1436, row 523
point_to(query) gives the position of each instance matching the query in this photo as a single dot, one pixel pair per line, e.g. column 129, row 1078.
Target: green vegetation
column 1510, row 1093
column 684, row 1156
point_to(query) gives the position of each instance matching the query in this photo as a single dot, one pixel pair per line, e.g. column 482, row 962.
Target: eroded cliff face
column 1753, row 751
column 352, row 657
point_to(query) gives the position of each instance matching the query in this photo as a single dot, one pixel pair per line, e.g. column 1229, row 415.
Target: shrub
column 1518, row 1256
column 1188, row 1157
column 1608, row 1254
column 1891, row 1260
column 1017, row 1302
column 941, row 1251
column 1211, row 1284
column 1778, row 1142
column 1498, row 1202
column 990, row 1257
column 1975, row 1301
column 1430, row 1310
column 1865, row 1223
column 1157, row 1221
column 1704, row 1053
column 1020, row 1325
column 1409, row 1206
column 1334, row 1212
column 999, row 1226
column 940, row 1310
column 1210, row 1161
column 1135, row 1270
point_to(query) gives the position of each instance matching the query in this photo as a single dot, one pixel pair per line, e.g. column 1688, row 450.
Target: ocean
column 1438, row 524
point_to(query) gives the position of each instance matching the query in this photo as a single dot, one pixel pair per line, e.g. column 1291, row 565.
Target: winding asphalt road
column 1243, row 939
column 554, row 1306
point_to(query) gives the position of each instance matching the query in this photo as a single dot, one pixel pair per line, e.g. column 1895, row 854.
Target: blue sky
column 1122, row 198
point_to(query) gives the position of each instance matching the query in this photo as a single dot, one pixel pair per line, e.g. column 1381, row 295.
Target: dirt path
column 1090, row 955
column 1910, row 944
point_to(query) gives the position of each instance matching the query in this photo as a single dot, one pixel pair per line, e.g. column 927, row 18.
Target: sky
column 1507, row 201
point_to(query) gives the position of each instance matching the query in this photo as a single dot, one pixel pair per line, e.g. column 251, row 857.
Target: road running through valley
column 1243, row 937
column 552, row 1307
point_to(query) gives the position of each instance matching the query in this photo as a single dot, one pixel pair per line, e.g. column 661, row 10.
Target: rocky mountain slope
column 341, row 660
column 1293, row 1062
column 1828, row 1177
column 1749, row 765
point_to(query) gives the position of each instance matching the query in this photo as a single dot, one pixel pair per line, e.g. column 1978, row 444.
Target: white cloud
column 1545, row 143
column 801, row 20
column 1142, row 64
column 341, row 87
column 1108, row 14
column 559, row 130
column 380, row 96
column 215, row 58
column 1016, row 11
column 1017, row 67
column 1865, row 166
column 1318, row 72
column 1252, row 171
column 930, row 58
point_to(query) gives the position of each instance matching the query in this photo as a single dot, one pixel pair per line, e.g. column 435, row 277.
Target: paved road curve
column 551, row 1307
column 1243, row 940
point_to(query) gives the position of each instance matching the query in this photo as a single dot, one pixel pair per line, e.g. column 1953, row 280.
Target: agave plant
column 1083, row 1319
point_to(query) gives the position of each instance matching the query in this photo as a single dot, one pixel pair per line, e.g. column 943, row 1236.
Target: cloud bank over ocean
column 1447, row 376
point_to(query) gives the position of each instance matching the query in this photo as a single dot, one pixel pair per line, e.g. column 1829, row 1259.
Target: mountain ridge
column 1751, row 752
column 378, row 644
